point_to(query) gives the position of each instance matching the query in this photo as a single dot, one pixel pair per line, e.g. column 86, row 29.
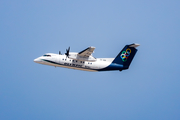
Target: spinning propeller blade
column 67, row 52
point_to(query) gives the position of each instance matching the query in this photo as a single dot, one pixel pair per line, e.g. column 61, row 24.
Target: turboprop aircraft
column 85, row 61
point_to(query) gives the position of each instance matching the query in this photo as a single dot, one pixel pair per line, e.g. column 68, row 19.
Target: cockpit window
column 47, row 55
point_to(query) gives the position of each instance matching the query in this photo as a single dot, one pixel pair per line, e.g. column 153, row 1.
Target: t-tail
column 126, row 56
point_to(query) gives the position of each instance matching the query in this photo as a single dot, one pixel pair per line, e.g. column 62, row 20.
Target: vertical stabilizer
column 126, row 55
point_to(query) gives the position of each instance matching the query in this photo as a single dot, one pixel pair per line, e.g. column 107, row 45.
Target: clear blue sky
column 149, row 90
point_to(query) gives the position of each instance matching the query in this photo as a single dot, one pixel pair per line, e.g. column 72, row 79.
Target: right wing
column 87, row 52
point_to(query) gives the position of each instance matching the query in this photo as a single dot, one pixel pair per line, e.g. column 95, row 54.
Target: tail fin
column 126, row 55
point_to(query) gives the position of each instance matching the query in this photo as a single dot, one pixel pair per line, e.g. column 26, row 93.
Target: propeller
column 60, row 53
column 67, row 52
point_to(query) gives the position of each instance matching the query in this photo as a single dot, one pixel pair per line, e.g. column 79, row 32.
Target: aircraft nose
column 36, row 60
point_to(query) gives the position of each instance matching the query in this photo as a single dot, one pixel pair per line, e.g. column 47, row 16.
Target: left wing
column 87, row 52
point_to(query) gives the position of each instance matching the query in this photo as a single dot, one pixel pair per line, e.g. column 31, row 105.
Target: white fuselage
column 79, row 64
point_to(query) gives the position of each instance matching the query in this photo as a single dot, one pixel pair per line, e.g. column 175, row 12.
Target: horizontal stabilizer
column 134, row 45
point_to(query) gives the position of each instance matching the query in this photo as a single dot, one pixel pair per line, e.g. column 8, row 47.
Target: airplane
column 84, row 60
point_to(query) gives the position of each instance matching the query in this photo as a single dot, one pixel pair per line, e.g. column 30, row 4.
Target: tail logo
column 125, row 54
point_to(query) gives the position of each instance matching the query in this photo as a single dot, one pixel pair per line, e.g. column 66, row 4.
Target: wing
column 87, row 52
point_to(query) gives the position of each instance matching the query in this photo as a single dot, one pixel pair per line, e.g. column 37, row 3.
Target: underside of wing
column 87, row 52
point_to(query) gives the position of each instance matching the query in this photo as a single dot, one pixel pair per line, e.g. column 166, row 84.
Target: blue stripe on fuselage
column 69, row 65
column 112, row 66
